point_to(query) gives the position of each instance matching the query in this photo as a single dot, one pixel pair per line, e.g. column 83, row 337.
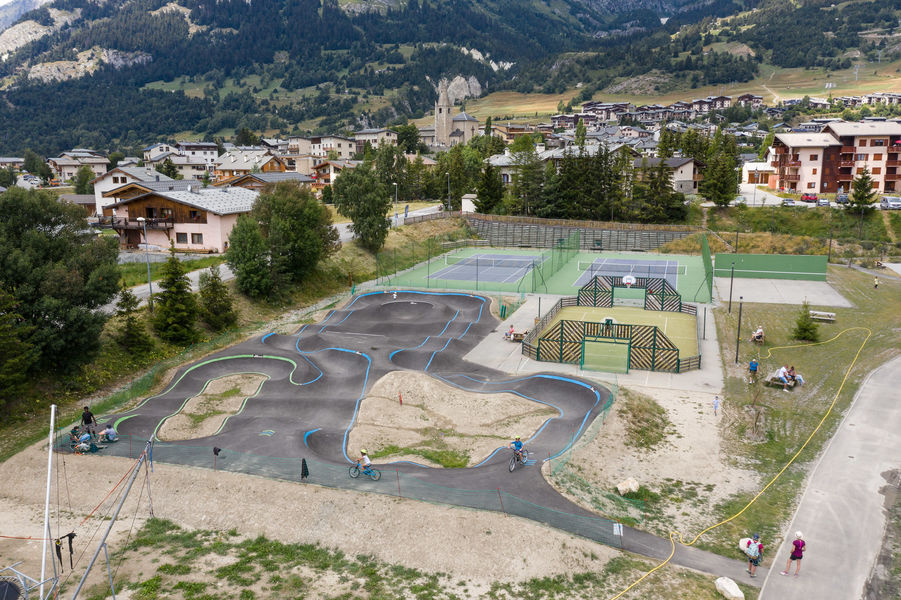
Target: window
column 194, row 215
column 860, row 157
column 197, row 238
column 862, row 143
column 181, row 238
column 814, row 172
column 875, row 185
column 877, row 157
column 811, row 185
column 814, row 157
column 859, row 170
column 879, row 143
column 877, row 171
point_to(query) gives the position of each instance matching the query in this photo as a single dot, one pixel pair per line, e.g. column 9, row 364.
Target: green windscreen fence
column 771, row 266
column 611, row 356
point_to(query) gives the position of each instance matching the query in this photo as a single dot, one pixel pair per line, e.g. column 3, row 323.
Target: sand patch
column 204, row 414
column 688, row 465
column 435, row 416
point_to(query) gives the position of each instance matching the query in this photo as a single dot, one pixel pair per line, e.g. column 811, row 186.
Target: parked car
column 841, row 198
column 808, row 197
column 788, row 202
column 822, row 202
column 890, row 203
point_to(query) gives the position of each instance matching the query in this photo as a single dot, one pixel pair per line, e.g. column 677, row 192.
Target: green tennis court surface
column 530, row 270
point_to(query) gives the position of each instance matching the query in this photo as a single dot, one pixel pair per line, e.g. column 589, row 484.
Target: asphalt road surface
column 317, row 378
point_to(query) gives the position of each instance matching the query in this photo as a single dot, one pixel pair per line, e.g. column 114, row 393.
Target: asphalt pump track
column 316, row 379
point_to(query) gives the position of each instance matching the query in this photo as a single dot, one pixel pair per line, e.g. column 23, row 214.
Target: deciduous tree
column 83, row 178
column 17, row 355
column 248, row 256
column 360, row 196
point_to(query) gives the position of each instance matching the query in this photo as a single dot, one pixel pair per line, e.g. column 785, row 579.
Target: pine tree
column 216, row 307
column 580, row 134
column 806, row 329
column 176, row 308
column 490, row 190
column 133, row 336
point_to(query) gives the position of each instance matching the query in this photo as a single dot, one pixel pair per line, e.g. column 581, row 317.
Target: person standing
column 752, row 370
column 716, row 404
column 875, row 283
column 798, row 546
column 754, row 550
column 88, row 421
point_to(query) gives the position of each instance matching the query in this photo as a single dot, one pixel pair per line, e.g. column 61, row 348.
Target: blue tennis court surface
column 500, row 268
column 619, row 267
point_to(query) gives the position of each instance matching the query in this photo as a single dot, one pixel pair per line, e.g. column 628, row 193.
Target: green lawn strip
column 136, row 273
column 798, row 220
column 895, row 220
column 764, row 427
column 449, row 459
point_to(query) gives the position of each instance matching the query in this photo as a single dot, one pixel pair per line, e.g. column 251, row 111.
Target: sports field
column 536, row 270
column 681, row 329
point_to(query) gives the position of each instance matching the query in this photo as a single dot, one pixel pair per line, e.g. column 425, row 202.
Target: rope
column 674, row 534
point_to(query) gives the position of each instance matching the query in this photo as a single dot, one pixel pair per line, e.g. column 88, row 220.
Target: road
column 142, row 292
column 842, row 512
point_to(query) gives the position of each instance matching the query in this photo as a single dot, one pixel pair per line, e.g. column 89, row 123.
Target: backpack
column 753, row 550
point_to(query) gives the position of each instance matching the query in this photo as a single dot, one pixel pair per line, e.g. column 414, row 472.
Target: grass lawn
column 338, row 218
column 136, row 273
column 798, row 220
column 763, row 426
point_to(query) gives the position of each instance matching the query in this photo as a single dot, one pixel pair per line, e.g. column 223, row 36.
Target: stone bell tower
column 443, row 118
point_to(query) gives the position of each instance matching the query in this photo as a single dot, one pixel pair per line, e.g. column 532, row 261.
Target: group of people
column 753, row 548
column 788, row 376
column 85, row 437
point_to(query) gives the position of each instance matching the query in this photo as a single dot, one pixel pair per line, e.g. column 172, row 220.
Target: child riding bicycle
column 364, row 461
column 517, row 448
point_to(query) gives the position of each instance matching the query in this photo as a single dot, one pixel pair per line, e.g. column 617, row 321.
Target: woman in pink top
column 797, row 554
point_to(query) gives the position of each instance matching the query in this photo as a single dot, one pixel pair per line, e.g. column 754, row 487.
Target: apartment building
column 829, row 161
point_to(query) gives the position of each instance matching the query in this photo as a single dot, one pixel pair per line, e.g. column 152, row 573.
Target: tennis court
column 499, row 268
column 618, row 267
column 549, row 271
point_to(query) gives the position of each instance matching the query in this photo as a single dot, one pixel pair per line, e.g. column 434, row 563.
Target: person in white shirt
column 757, row 336
column 782, row 375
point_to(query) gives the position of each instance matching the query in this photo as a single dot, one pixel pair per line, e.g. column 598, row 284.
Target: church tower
column 443, row 118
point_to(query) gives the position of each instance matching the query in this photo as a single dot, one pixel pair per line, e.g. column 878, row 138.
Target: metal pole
column 448, row 190
column 829, row 255
column 736, row 238
column 705, row 323
column 738, row 330
column 754, row 198
column 109, row 571
column 147, row 256
column 731, row 280
column 47, row 499
column 395, row 204
column 112, row 522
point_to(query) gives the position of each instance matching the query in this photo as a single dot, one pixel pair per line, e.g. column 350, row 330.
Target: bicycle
column 371, row 472
column 518, row 457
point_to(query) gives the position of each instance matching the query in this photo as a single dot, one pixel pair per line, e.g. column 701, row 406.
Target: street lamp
column 448, row 191
column 395, row 204
column 143, row 222
column 731, row 280
column 738, row 330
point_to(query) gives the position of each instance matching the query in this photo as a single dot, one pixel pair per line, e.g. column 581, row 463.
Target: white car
column 822, row 202
column 890, row 203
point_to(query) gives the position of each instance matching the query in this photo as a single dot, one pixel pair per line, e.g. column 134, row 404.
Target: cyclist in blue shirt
column 517, row 447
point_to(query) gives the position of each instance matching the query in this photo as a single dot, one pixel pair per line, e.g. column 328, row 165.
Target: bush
column 806, row 328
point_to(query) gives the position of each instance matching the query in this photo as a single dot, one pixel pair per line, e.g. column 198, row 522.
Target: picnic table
column 819, row 315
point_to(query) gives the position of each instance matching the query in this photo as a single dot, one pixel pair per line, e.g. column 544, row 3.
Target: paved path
column 841, row 513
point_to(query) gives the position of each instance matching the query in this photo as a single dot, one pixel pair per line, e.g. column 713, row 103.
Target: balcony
column 846, row 163
column 892, row 176
column 790, row 177
column 793, row 163
column 781, row 149
column 845, row 176
column 849, row 150
column 126, row 223
column 892, row 163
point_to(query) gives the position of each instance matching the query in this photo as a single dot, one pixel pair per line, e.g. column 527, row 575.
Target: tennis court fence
column 649, row 270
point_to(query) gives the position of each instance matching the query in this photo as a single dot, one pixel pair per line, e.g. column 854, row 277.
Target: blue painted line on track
column 390, row 356
column 408, row 462
column 307, row 434
column 449, row 323
column 338, row 323
column 263, row 340
column 432, row 357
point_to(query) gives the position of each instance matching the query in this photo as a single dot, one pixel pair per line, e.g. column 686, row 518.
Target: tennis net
column 617, row 269
column 488, row 263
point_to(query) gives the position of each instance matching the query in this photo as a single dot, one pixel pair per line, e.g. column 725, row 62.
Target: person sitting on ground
column 795, row 376
column 74, row 436
column 509, row 334
column 757, row 336
column 109, row 434
column 516, row 445
column 782, row 375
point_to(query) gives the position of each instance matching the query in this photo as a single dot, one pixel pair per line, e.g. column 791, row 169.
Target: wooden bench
column 818, row 315
column 775, row 381
column 517, row 336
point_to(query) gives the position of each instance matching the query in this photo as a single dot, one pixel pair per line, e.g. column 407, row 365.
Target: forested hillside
column 282, row 66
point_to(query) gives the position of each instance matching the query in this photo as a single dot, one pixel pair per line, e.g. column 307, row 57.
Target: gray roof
column 220, row 201
column 144, row 174
column 84, row 199
column 465, row 117
column 672, row 163
column 843, row 128
column 276, row 176
column 807, row 140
